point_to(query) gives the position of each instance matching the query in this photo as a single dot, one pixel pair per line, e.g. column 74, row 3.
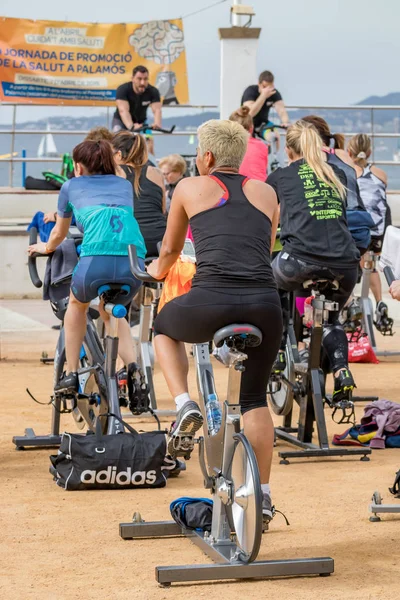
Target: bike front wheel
column 246, row 508
column 280, row 392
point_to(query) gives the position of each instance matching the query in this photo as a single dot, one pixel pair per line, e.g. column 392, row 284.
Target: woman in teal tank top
column 102, row 204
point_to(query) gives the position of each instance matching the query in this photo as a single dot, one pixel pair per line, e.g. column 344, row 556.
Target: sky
column 337, row 52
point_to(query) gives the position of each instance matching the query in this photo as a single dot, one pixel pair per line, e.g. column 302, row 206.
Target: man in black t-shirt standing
column 260, row 98
column 133, row 99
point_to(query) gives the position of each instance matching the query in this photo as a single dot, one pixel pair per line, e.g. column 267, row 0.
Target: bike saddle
column 241, row 335
column 321, row 285
column 111, row 291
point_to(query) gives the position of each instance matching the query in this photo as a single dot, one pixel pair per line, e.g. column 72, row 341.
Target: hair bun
column 243, row 111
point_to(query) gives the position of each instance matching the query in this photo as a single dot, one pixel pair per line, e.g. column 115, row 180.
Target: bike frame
column 366, row 303
column 216, row 455
column 311, row 396
column 53, row 439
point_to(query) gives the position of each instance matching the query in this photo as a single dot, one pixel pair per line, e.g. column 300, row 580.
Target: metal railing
column 371, row 109
column 13, row 132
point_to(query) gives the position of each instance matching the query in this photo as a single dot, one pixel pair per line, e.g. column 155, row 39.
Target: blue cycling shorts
column 93, row 271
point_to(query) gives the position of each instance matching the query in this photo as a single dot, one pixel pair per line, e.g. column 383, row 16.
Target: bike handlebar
column 137, row 271
column 387, row 271
column 33, row 272
column 272, row 126
column 152, row 128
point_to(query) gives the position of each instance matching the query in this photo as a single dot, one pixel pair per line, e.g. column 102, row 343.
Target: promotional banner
column 51, row 62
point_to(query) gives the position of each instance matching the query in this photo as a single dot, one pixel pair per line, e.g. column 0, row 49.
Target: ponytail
column 242, row 116
column 134, row 152
column 338, row 141
column 97, row 157
column 303, row 139
column 359, row 149
column 331, row 140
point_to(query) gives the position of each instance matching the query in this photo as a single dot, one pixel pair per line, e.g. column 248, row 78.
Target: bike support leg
column 226, row 566
column 52, row 440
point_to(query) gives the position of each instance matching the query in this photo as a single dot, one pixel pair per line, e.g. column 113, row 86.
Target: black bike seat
column 110, row 291
column 321, row 285
column 245, row 334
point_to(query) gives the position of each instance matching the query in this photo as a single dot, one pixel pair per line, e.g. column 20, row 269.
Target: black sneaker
column 180, row 466
column 188, row 420
column 383, row 322
column 344, row 386
column 280, row 363
column 304, row 355
column 68, row 383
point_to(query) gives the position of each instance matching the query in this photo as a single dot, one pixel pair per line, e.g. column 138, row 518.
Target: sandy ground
column 58, row 545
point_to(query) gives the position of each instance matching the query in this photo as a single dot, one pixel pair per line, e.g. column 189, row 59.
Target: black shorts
column 197, row 315
column 291, row 272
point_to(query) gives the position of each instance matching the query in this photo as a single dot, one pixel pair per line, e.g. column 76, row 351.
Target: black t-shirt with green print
column 313, row 217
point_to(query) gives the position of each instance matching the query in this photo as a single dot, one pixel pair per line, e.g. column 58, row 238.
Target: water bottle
column 308, row 312
column 214, row 414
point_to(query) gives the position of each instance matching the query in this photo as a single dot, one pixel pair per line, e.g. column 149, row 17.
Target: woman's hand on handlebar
column 394, row 290
column 154, row 271
column 39, row 248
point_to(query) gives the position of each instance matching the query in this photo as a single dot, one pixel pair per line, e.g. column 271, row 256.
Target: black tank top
column 147, row 206
column 232, row 240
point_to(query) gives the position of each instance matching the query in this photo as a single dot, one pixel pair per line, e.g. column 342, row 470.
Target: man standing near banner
column 133, row 99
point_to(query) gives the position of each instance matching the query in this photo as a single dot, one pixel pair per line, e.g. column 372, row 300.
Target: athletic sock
column 266, row 488
column 181, row 400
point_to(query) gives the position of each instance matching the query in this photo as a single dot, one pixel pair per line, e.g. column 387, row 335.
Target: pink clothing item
column 386, row 414
column 189, row 234
column 255, row 162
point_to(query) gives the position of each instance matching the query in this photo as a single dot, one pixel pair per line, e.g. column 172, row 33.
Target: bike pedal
column 68, row 403
column 182, row 445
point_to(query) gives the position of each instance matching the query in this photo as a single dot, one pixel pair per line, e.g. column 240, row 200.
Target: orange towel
column 177, row 282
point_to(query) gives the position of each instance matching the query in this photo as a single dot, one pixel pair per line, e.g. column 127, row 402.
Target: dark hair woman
column 130, row 152
column 102, row 205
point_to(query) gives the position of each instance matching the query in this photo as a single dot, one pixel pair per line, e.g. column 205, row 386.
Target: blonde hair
column 176, row 162
column 99, row 133
column 242, row 116
column 226, row 140
column 359, row 149
column 302, row 138
column 133, row 150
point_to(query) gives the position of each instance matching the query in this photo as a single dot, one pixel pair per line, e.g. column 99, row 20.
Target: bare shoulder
column 155, row 175
column 197, row 184
column 345, row 157
column 261, row 189
column 380, row 173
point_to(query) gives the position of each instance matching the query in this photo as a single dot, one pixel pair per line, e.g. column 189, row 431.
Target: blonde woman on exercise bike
column 233, row 221
column 316, row 240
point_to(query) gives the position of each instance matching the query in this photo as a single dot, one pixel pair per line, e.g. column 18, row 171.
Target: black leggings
column 290, row 273
column 196, row 316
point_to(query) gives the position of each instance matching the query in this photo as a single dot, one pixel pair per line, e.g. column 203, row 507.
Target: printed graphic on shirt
column 323, row 201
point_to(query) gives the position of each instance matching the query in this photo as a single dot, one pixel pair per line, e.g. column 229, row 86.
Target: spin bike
column 149, row 295
column 370, row 262
column 266, row 133
column 230, row 472
column 304, row 383
column 377, row 507
column 98, row 396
